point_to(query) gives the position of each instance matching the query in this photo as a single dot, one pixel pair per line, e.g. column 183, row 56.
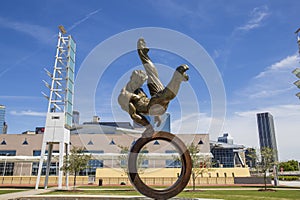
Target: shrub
column 288, row 178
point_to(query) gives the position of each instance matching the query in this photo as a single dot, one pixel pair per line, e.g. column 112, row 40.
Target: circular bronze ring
column 186, row 167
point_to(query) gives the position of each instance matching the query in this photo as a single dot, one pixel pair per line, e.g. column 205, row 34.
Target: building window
column 38, row 152
column 200, row 141
column 175, row 162
column 145, row 162
column 54, row 166
column 123, row 158
column 223, row 157
column 7, row 168
column 25, row 142
column 92, row 164
column 3, row 142
column 112, row 142
column 156, row 142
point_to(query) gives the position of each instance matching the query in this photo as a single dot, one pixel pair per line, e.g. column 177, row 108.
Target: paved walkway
column 290, row 183
column 25, row 193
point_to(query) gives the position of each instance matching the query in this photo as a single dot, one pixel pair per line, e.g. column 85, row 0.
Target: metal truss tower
column 60, row 107
column 297, row 70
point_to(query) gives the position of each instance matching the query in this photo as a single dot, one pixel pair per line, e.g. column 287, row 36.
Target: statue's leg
column 154, row 84
column 136, row 117
column 141, row 120
column 159, row 103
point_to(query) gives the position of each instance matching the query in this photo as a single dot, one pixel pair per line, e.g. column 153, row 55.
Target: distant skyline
column 252, row 44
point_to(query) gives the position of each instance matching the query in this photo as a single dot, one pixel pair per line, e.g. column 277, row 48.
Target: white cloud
column 83, row 19
column 38, row 32
column 275, row 81
column 28, row 113
column 287, row 63
column 269, row 91
column 243, row 127
column 257, row 16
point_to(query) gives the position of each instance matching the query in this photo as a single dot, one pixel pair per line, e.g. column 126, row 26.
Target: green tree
column 76, row 161
column 266, row 162
column 200, row 164
column 291, row 165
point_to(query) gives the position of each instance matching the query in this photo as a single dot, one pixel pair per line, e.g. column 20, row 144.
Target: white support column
column 61, row 162
column 49, row 157
column 40, row 165
column 67, row 157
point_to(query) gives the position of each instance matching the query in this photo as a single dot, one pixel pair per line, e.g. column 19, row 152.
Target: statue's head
column 138, row 77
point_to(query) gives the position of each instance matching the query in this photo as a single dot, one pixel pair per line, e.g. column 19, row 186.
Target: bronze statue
column 133, row 99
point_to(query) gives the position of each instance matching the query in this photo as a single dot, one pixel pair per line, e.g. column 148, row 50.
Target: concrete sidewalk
column 290, row 183
column 16, row 195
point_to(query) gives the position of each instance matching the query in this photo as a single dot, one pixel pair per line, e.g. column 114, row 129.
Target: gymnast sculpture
column 134, row 100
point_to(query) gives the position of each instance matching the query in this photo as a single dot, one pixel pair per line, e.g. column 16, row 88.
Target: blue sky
column 252, row 43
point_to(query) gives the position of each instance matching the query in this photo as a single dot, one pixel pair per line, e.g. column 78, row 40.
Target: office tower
column 2, row 119
column 266, row 132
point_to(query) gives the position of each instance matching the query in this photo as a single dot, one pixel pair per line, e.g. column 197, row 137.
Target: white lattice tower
column 297, row 70
column 60, row 106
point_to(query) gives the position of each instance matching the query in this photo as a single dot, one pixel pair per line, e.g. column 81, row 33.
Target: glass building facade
column 7, row 168
column 2, row 118
column 223, row 157
column 266, row 132
column 174, row 163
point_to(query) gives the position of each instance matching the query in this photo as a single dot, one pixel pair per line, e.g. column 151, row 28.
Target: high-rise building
column 2, row 119
column 266, row 132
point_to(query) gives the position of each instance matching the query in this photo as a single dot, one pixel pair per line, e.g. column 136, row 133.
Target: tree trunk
column 265, row 180
column 75, row 175
column 194, row 180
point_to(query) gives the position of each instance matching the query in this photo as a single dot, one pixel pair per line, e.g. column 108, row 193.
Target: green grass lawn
column 243, row 194
column 214, row 194
column 3, row 191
